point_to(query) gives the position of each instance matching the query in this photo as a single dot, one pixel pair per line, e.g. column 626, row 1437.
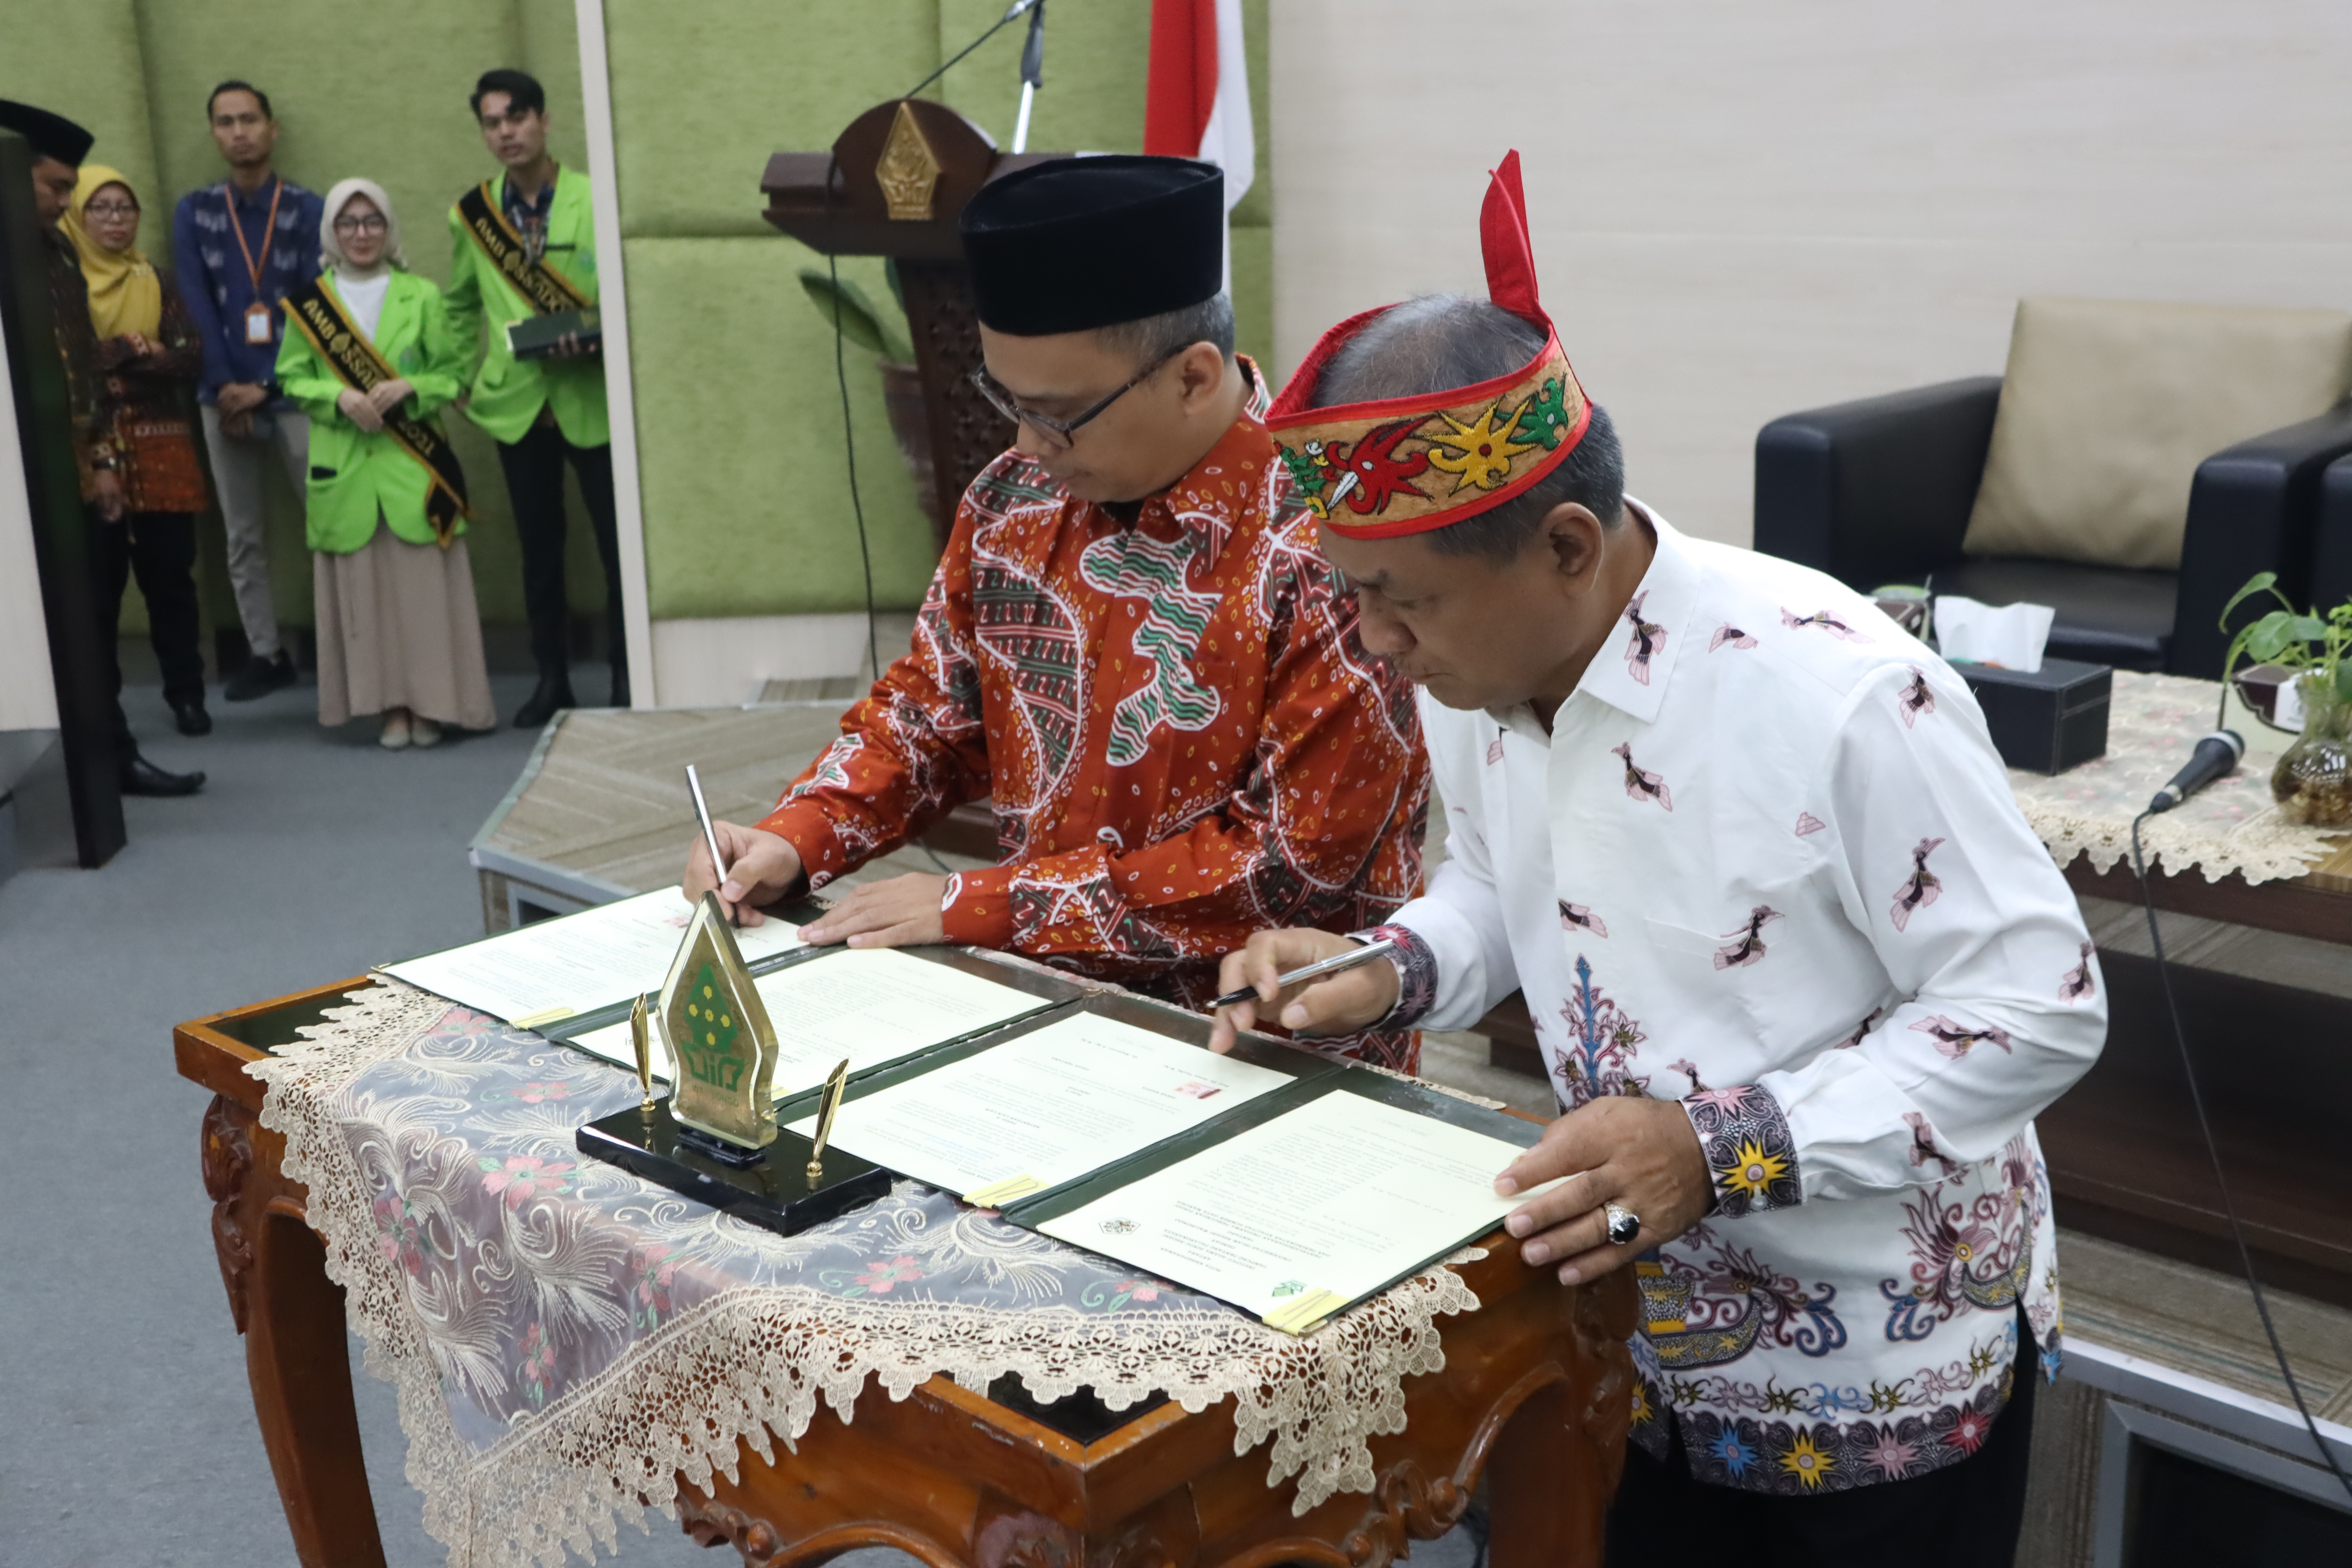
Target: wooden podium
column 895, row 184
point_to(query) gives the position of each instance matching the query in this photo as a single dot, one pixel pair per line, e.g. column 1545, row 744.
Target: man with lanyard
column 59, row 147
column 1132, row 647
column 526, row 244
column 1802, row 973
column 240, row 246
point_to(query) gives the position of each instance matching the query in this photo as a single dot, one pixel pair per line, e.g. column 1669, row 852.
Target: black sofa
column 1879, row 491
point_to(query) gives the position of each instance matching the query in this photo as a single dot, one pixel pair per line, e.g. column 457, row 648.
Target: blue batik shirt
column 215, row 286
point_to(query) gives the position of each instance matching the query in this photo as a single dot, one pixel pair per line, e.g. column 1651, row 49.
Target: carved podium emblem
column 721, row 1043
column 908, row 170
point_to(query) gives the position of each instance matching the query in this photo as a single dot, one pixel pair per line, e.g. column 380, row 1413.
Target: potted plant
column 885, row 336
column 2312, row 782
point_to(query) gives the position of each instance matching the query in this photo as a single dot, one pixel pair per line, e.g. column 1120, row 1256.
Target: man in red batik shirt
column 1133, row 646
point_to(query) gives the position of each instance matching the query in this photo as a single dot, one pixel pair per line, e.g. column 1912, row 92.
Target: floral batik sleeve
column 1974, row 924
column 1415, row 964
column 1751, row 1156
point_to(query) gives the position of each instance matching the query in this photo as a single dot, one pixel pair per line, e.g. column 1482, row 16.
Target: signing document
column 1302, row 1214
column 554, row 969
column 870, row 1004
column 1045, row 1108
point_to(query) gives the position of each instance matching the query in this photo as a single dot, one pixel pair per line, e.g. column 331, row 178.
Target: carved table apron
column 1535, row 1395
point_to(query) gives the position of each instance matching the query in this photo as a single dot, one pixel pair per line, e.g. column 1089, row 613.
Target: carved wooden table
column 1535, row 1396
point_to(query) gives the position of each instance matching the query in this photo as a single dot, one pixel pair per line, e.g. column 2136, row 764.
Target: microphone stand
column 1033, row 74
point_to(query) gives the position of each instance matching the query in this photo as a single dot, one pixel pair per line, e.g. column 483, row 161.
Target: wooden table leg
column 1556, row 1465
column 291, row 1316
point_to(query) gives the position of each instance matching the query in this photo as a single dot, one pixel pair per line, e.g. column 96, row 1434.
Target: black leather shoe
column 192, row 718
column 260, row 677
column 555, row 692
column 141, row 776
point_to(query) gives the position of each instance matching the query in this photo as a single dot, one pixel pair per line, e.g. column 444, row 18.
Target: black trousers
column 534, row 473
column 1963, row 1516
column 160, row 549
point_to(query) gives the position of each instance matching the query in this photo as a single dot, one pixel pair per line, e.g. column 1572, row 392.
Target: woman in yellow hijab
column 149, row 358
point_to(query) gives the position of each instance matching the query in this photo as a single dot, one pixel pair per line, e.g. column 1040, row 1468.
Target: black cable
column 849, row 440
column 943, row 70
column 2213, row 1152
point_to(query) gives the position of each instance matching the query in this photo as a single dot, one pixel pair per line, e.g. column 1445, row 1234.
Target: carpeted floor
column 130, row 1431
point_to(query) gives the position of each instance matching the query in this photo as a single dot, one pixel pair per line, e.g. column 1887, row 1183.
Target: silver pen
column 710, row 834
column 1331, row 965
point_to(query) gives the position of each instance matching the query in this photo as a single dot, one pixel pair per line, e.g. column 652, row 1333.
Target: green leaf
column 2259, row 582
column 2308, row 628
column 2272, row 635
column 860, row 322
column 2344, row 681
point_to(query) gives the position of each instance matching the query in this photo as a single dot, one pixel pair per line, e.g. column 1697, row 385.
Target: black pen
column 1332, row 965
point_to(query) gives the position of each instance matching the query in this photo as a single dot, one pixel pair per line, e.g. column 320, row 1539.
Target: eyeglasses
column 1058, row 432
column 372, row 223
column 111, row 209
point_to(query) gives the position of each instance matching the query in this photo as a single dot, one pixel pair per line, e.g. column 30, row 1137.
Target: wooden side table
column 1536, row 1395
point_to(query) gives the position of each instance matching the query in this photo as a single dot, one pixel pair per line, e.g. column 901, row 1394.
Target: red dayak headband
column 1407, row 464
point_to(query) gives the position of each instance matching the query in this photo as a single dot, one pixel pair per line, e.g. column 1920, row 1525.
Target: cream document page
column 872, row 1006
column 1320, row 1206
column 1042, row 1109
column 554, row 969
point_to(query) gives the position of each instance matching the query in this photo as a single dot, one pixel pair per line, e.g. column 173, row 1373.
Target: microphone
column 1033, row 71
column 2216, row 757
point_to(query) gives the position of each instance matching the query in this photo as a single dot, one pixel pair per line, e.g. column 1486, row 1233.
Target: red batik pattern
column 1182, row 737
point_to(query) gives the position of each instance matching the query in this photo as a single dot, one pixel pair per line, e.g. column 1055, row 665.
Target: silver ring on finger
column 1624, row 1224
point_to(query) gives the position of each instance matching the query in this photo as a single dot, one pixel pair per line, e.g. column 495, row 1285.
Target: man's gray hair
column 1435, row 343
column 1156, row 338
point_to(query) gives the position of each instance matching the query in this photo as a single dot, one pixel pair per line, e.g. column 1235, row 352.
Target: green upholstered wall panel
column 548, row 34
column 739, row 426
column 703, row 93
column 739, row 416
column 1096, row 57
column 81, row 60
column 1253, row 293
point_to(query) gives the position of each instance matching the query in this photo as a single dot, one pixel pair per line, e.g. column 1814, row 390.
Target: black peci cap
column 1080, row 242
column 52, row 135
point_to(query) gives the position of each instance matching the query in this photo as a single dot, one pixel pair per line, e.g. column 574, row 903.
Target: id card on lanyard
column 260, row 320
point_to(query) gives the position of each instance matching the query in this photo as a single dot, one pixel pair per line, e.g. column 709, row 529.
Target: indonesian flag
column 1196, row 103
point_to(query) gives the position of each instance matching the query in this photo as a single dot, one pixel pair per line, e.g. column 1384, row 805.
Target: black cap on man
column 1079, row 243
column 52, row 135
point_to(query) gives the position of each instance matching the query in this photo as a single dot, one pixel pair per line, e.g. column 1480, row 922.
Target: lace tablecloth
column 567, row 1339
column 2229, row 826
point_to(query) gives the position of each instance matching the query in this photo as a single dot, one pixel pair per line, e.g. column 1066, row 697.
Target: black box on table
column 2046, row 722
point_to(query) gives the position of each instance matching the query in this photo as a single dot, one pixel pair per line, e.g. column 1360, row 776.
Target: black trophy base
column 775, row 1193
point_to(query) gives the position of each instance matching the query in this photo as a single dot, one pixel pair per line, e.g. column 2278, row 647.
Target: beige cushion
column 2109, row 406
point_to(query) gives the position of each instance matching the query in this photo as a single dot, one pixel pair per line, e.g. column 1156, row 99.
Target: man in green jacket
column 526, row 244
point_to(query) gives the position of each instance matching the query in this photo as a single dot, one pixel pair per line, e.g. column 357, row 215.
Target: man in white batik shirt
column 1802, row 973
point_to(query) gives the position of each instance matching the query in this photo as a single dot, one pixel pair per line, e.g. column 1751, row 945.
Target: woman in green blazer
column 399, row 633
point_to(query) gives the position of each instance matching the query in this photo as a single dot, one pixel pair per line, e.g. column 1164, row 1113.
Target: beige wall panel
column 1740, row 211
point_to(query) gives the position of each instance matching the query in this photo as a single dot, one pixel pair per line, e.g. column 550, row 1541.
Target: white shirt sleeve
column 1973, row 922
column 1464, row 966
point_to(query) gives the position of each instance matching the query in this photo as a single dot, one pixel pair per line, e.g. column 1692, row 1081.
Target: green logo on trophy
column 720, row 1042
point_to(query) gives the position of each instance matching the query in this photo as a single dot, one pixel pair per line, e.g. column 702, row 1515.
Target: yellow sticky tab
column 1303, row 1312
column 996, row 1195
column 544, row 1015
